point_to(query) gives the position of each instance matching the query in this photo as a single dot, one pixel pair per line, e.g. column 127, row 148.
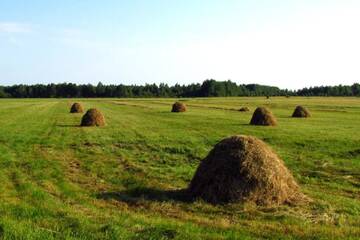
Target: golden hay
column 76, row 108
column 244, row 169
column 263, row 116
column 178, row 107
column 301, row 112
column 93, row 117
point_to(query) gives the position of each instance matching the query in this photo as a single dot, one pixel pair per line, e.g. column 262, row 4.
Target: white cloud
column 315, row 47
column 14, row 27
column 71, row 32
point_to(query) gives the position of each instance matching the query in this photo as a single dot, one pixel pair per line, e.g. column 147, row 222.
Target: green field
column 61, row 181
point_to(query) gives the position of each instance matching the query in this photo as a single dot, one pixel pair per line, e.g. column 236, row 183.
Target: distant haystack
column 178, row 107
column 244, row 109
column 93, row 117
column 301, row 112
column 263, row 116
column 76, row 108
column 244, row 169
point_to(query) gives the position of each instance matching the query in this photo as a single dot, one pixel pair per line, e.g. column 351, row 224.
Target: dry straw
column 263, row 116
column 301, row 112
column 244, row 169
column 76, row 108
column 178, row 107
column 93, row 117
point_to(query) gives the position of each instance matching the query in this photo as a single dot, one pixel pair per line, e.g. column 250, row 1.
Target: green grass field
column 60, row 181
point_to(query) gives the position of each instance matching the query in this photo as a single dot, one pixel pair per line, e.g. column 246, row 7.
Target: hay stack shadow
column 178, row 107
column 67, row 125
column 264, row 117
column 133, row 196
column 244, row 109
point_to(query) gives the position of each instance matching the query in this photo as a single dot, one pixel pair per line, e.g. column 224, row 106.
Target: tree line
column 209, row 88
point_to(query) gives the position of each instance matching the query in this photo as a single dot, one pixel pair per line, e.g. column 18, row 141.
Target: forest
column 209, row 88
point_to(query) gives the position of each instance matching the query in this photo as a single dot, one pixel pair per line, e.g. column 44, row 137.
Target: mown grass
column 60, row 181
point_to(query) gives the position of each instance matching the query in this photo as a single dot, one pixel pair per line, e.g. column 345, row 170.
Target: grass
column 60, row 181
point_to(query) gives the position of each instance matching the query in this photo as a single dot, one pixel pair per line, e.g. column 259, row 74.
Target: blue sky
column 285, row 43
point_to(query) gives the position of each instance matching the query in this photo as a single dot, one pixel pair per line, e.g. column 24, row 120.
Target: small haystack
column 263, row 116
column 178, row 107
column 244, row 169
column 93, row 117
column 301, row 112
column 244, row 109
column 76, row 108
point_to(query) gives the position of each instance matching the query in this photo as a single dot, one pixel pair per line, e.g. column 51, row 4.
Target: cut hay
column 93, row 117
column 263, row 116
column 244, row 109
column 244, row 169
column 178, row 107
column 301, row 112
column 76, row 108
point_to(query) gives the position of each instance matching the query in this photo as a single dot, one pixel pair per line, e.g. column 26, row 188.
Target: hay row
column 261, row 116
column 132, row 105
column 299, row 112
column 92, row 117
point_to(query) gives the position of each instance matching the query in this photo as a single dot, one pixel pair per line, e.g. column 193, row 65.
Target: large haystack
column 263, row 116
column 301, row 112
column 178, row 107
column 244, row 109
column 244, row 169
column 76, row 108
column 93, row 117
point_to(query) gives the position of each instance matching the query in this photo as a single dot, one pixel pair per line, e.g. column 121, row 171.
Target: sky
column 286, row 43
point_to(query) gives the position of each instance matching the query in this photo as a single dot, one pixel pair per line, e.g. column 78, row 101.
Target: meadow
column 62, row 181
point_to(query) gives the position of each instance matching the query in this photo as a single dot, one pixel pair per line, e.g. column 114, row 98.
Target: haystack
column 178, row 107
column 244, row 169
column 93, row 117
column 301, row 112
column 263, row 116
column 244, row 109
column 76, row 108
